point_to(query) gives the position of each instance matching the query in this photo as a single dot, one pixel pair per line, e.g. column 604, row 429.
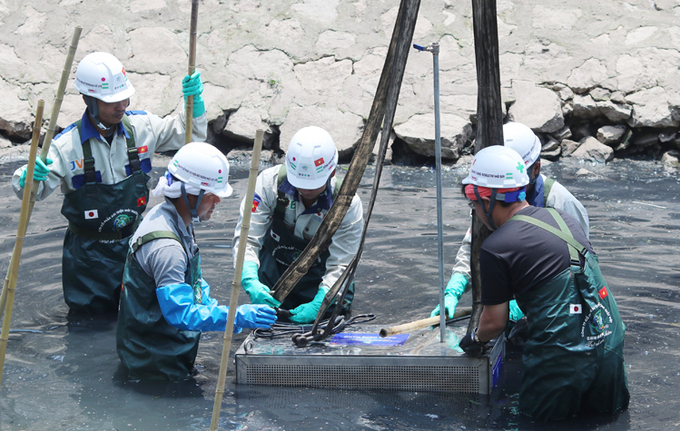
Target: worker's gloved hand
column 454, row 290
column 193, row 86
column 515, row 313
column 472, row 346
column 258, row 292
column 306, row 313
column 39, row 173
column 255, row 316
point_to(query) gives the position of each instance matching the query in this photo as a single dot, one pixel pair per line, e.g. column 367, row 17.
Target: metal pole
column 434, row 49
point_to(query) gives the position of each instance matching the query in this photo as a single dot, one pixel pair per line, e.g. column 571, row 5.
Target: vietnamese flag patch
column 318, row 162
column 91, row 214
column 603, row 292
column 142, row 150
column 256, row 202
column 141, row 201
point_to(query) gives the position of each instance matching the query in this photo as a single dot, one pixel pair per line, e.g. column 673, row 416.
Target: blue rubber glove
column 177, row 304
column 454, row 290
column 193, row 86
column 258, row 292
column 39, row 173
column 306, row 313
column 515, row 312
column 255, row 316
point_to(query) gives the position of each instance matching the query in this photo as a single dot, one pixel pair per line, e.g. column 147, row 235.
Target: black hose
column 287, row 329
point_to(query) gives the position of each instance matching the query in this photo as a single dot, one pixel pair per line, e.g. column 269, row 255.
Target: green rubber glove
column 454, row 290
column 306, row 313
column 39, row 173
column 258, row 292
column 193, row 86
column 515, row 312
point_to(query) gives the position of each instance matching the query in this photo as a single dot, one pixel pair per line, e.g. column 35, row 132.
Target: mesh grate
column 394, row 377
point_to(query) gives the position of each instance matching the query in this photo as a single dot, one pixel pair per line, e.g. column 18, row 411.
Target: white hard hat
column 497, row 167
column 102, row 76
column 311, row 158
column 203, row 166
column 523, row 140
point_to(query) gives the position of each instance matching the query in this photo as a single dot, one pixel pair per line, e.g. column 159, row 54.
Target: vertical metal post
column 434, row 49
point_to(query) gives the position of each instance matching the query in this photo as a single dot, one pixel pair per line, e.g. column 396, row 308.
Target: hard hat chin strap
column 492, row 203
column 91, row 103
column 194, row 213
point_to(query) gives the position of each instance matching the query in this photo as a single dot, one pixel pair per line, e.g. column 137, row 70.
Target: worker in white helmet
column 289, row 205
column 101, row 164
column 165, row 303
column 541, row 192
column 573, row 357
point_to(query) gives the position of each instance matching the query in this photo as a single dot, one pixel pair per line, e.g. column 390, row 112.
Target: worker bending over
column 573, row 355
column 541, row 192
column 165, row 302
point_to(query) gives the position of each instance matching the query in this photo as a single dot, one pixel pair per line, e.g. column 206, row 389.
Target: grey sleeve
column 164, row 260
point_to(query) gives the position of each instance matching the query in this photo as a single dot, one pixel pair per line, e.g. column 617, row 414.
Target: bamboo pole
column 423, row 323
column 47, row 140
column 21, row 231
column 236, row 284
column 192, row 68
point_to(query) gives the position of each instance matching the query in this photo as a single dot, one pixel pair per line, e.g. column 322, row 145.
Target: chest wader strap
column 282, row 201
column 88, row 160
column 152, row 236
column 547, row 185
column 575, row 247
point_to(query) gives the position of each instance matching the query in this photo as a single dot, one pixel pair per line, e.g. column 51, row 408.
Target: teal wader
column 148, row 346
column 101, row 218
column 573, row 356
column 281, row 248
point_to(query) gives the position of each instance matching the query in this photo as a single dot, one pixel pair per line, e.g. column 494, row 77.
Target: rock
column 645, row 139
column 593, row 150
column 587, row 76
column 551, row 150
column 585, row 173
column 569, row 146
column 344, row 127
column 418, row 132
column 610, row 135
column 388, row 151
column 651, row 109
column 281, row 66
column 671, row 159
column 539, row 108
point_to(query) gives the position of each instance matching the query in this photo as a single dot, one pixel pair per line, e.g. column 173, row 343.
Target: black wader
column 148, row 346
column 573, row 356
column 101, row 219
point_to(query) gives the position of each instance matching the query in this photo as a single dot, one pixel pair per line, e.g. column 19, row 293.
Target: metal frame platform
column 422, row 363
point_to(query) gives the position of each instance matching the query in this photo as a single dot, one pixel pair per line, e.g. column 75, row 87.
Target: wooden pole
column 489, row 123
column 423, row 323
column 21, row 231
column 192, row 68
column 47, row 140
column 236, row 284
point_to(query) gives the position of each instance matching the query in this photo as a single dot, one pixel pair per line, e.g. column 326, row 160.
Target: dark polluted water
column 64, row 375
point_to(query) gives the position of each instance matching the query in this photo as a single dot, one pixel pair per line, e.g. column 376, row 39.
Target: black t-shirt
column 520, row 256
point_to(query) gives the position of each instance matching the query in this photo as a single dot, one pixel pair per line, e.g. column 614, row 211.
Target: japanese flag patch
column 575, row 309
column 91, row 214
column 276, row 237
